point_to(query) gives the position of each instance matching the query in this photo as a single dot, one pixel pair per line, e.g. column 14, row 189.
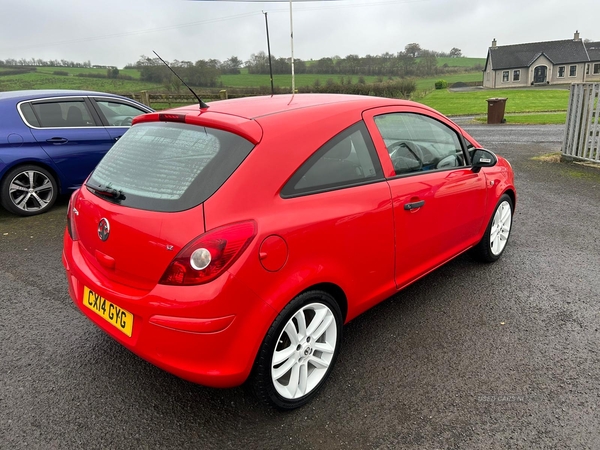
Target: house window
column 596, row 68
column 561, row 72
column 572, row 71
column 516, row 75
column 505, row 76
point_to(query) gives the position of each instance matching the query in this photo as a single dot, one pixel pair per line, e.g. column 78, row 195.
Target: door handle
column 57, row 140
column 413, row 205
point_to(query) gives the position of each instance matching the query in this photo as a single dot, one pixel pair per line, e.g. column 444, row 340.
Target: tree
column 258, row 63
column 428, row 63
column 455, row 53
column 232, row 66
column 413, row 49
column 407, row 63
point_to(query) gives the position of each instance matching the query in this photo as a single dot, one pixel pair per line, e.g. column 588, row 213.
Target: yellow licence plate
column 118, row 317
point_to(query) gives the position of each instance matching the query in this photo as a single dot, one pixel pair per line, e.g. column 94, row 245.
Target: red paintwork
column 358, row 243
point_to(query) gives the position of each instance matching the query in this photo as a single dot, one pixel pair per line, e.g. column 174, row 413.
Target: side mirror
column 482, row 158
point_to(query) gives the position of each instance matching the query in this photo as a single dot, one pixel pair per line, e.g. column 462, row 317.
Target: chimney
column 494, row 43
column 576, row 36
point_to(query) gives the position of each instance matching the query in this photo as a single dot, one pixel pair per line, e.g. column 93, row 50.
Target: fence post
column 582, row 134
column 145, row 98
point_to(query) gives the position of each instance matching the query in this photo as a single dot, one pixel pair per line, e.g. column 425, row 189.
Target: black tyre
column 494, row 241
column 299, row 351
column 28, row 190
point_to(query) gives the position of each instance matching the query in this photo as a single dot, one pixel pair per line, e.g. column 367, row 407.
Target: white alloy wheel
column 500, row 228
column 304, row 351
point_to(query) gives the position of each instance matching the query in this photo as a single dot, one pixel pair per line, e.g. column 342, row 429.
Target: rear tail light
column 71, row 214
column 209, row 255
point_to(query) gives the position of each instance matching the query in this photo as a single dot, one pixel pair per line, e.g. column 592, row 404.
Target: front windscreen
column 165, row 166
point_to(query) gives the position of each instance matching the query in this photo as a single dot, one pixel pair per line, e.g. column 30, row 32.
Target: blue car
column 50, row 141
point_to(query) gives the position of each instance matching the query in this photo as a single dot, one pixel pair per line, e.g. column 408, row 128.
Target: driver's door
column 438, row 201
column 116, row 115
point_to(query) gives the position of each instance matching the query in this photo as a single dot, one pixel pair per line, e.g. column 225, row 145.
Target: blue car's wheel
column 28, row 190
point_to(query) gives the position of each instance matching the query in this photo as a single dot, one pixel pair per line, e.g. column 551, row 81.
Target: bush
column 101, row 75
column 60, row 73
column 6, row 73
column 390, row 89
column 441, row 84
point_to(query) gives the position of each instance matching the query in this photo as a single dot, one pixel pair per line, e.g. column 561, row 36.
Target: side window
column 60, row 114
column 572, row 71
column 29, row 115
column 347, row 159
column 118, row 114
column 418, row 143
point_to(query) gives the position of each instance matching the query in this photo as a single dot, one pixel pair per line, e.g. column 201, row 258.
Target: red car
column 231, row 243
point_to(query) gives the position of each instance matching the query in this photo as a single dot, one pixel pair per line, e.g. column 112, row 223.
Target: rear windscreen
column 165, row 166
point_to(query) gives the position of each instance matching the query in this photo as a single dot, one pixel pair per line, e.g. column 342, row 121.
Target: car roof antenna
column 202, row 104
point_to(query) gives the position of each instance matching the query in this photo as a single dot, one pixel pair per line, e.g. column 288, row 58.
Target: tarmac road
column 472, row 356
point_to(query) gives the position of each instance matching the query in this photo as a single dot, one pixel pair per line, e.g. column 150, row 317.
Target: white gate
column 582, row 131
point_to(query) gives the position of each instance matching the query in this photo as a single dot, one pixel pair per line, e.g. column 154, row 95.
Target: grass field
column 461, row 62
column 426, row 84
column 519, row 100
column 44, row 79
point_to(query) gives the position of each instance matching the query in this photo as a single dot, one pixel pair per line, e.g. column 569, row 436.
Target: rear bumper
column 208, row 334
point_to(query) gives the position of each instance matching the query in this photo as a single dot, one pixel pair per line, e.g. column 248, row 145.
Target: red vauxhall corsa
column 231, row 243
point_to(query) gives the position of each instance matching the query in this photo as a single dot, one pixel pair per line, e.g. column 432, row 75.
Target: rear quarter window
column 164, row 166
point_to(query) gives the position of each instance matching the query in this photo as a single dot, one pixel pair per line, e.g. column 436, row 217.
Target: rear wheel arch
column 336, row 292
column 41, row 164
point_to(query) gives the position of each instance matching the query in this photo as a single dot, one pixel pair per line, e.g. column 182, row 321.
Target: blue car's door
column 117, row 114
column 71, row 134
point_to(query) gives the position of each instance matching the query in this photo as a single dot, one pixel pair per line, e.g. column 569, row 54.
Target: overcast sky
column 117, row 32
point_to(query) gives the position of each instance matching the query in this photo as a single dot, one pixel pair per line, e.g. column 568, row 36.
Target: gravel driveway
column 472, row 356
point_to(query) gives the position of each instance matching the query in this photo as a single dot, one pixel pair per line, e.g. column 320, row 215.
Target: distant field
column 519, row 100
column 460, row 62
column 77, row 70
column 41, row 80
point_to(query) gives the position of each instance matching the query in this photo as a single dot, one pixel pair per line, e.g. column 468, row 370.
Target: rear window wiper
column 107, row 192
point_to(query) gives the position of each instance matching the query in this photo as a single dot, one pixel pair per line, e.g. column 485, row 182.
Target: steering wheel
column 126, row 122
column 413, row 148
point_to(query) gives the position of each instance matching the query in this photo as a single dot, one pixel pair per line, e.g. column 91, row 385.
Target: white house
column 553, row 62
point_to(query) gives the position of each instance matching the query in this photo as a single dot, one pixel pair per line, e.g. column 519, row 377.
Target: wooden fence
column 582, row 130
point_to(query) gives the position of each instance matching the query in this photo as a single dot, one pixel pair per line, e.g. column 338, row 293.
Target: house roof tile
column 523, row 55
column 593, row 49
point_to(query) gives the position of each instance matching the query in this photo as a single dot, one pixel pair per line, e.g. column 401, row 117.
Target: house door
column 539, row 74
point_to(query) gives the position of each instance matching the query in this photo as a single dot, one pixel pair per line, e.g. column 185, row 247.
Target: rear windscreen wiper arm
column 111, row 193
